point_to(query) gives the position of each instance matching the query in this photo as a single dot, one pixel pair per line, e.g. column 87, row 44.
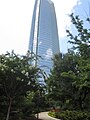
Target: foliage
column 80, row 41
column 69, row 82
column 17, row 76
column 72, row 115
column 61, row 78
column 39, row 99
column 52, row 114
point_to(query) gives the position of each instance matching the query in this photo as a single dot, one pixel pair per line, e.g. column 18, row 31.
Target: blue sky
column 83, row 10
column 16, row 16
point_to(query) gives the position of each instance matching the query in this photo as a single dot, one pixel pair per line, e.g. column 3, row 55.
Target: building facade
column 44, row 40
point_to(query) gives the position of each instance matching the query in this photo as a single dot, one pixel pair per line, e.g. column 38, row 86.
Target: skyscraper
column 44, row 39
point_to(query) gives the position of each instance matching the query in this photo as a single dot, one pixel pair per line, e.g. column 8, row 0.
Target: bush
column 52, row 114
column 70, row 115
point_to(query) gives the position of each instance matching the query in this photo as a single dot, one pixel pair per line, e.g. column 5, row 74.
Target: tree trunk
column 38, row 116
column 8, row 112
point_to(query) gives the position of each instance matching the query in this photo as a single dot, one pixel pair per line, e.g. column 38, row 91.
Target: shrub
column 72, row 115
column 52, row 114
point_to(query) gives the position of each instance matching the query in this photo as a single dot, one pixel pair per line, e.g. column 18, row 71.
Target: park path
column 44, row 116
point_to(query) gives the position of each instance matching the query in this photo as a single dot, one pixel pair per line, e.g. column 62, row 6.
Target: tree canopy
column 69, row 82
column 17, row 76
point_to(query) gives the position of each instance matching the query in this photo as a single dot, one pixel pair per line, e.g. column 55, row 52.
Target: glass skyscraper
column 44, row 39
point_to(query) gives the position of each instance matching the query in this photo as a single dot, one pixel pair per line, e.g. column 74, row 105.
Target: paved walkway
column 44, row 116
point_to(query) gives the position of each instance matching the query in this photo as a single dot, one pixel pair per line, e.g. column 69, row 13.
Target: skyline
column 15, row 23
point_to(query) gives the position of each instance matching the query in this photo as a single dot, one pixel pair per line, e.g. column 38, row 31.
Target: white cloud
column 48, row 54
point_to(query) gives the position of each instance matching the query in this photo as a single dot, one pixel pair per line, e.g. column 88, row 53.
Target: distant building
column 44, row 39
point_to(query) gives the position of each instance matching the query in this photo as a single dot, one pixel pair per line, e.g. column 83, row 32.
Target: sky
column 16, row 17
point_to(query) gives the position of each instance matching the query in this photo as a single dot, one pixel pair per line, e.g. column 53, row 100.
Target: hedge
column 70, row 115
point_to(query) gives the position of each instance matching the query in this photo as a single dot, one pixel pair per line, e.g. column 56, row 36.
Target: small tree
column 17, row 76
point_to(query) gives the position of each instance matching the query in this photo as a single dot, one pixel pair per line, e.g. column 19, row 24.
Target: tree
column 69, row 81
column 81, row 43
column 59, row 83
column 17, row 76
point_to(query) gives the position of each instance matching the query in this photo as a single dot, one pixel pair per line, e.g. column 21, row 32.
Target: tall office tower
column 44, row 39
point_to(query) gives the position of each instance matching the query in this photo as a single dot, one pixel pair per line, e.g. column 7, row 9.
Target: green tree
column 81, row 43
column 69, row 81
column 59, row 83
column 17, row 76
column 80, row 40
